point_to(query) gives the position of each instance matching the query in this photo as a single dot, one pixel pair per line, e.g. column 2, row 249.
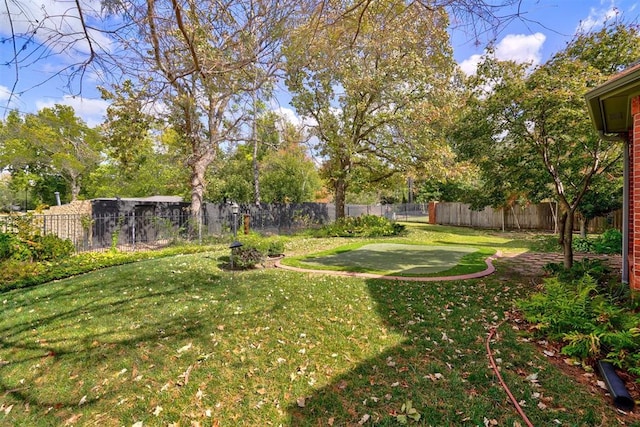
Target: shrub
column 34, row 247
column 275, row 248
column 609, row 242
column 11, row 247
column 595, row 268
column 267, row 245
column 246, row 257
column 588, row 323
column 51, row 248
column 361, row 226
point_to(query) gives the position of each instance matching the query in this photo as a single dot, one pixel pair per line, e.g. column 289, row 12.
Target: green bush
column 595, row 268
column 361, row 226
column 586, row 320
column 246, row 257
column 51, row 248
column 267, row 245
column 609, row 242
column 34, row 247
column 12, row 247
column 275, row 248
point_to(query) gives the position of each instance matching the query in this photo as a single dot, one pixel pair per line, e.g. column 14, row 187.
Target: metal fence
column 140, row 229
column 148, row 228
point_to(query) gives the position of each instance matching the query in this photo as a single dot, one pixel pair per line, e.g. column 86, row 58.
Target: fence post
column 133, row 230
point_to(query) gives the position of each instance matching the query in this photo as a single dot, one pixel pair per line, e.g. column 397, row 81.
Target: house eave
column 609, row 104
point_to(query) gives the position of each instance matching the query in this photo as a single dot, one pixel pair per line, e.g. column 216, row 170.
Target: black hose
column 621, row 397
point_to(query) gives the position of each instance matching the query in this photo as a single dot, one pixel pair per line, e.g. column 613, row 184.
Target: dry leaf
column 364, row 419
column 301, row 401
column 185, row 348
column 72, row 420
column 157, row 411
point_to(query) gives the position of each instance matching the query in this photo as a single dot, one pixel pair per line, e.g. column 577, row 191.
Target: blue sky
column 544, row 27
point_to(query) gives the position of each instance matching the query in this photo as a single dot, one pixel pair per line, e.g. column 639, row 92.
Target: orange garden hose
column 492, row 331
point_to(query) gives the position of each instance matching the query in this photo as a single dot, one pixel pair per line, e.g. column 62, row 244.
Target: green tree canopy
column 374, row 81
column 53, row 144
column 529, row 131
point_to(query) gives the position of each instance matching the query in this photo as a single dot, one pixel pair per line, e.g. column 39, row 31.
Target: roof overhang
column 610, row 103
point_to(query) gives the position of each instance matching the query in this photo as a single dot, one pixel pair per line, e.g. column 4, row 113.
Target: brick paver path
column 532, row 263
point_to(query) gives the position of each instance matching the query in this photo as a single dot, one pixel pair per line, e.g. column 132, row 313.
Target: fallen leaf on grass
column 157, row 411
column 83, row 400
column 301, row 401
column 185, row 348
column 364, row 419
column 72, row 420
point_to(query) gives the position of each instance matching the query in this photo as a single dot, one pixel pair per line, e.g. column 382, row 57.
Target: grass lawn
column 178, row 341
column 397, row 259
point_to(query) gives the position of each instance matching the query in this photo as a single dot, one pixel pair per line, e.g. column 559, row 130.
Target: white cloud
column 5, row 93
column 92, row 111
column 55, row 24
column 521, row 48
column 597, row 18
column 8, row 101
column 470, row 66
column 289, row 115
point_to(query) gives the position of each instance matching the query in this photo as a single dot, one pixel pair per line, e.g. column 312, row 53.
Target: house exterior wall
column 634, row 196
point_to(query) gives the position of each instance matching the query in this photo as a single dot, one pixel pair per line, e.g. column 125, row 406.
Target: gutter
column 624, row 137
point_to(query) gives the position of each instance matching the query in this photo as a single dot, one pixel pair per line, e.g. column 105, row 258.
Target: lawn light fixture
column 235, row 209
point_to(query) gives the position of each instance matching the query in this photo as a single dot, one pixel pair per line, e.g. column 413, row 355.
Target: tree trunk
column 256, row 171
column 340, row 188
column 75, row 188
column 584, row 227
column 567, row 239
column 198, row 184
column 561, row 225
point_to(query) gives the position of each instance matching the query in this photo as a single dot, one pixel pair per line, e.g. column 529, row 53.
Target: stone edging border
column 489, row 270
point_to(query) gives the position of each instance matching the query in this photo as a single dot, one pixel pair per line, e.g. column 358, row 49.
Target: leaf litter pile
column 178, row 342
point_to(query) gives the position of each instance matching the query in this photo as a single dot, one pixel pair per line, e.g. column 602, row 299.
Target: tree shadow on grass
column 441, row 365
column 77, row 336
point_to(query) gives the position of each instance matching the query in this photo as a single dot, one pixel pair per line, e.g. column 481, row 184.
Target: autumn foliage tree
column 373, row 81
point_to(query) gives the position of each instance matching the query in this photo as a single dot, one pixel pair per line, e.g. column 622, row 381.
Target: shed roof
column 610, row 103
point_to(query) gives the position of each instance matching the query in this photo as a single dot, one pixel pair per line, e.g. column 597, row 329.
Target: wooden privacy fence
column 528, row 217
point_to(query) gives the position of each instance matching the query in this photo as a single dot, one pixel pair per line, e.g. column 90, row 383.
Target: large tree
column 52, row 143
column 373, row 81
column 91, row 38
column 521, row 122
